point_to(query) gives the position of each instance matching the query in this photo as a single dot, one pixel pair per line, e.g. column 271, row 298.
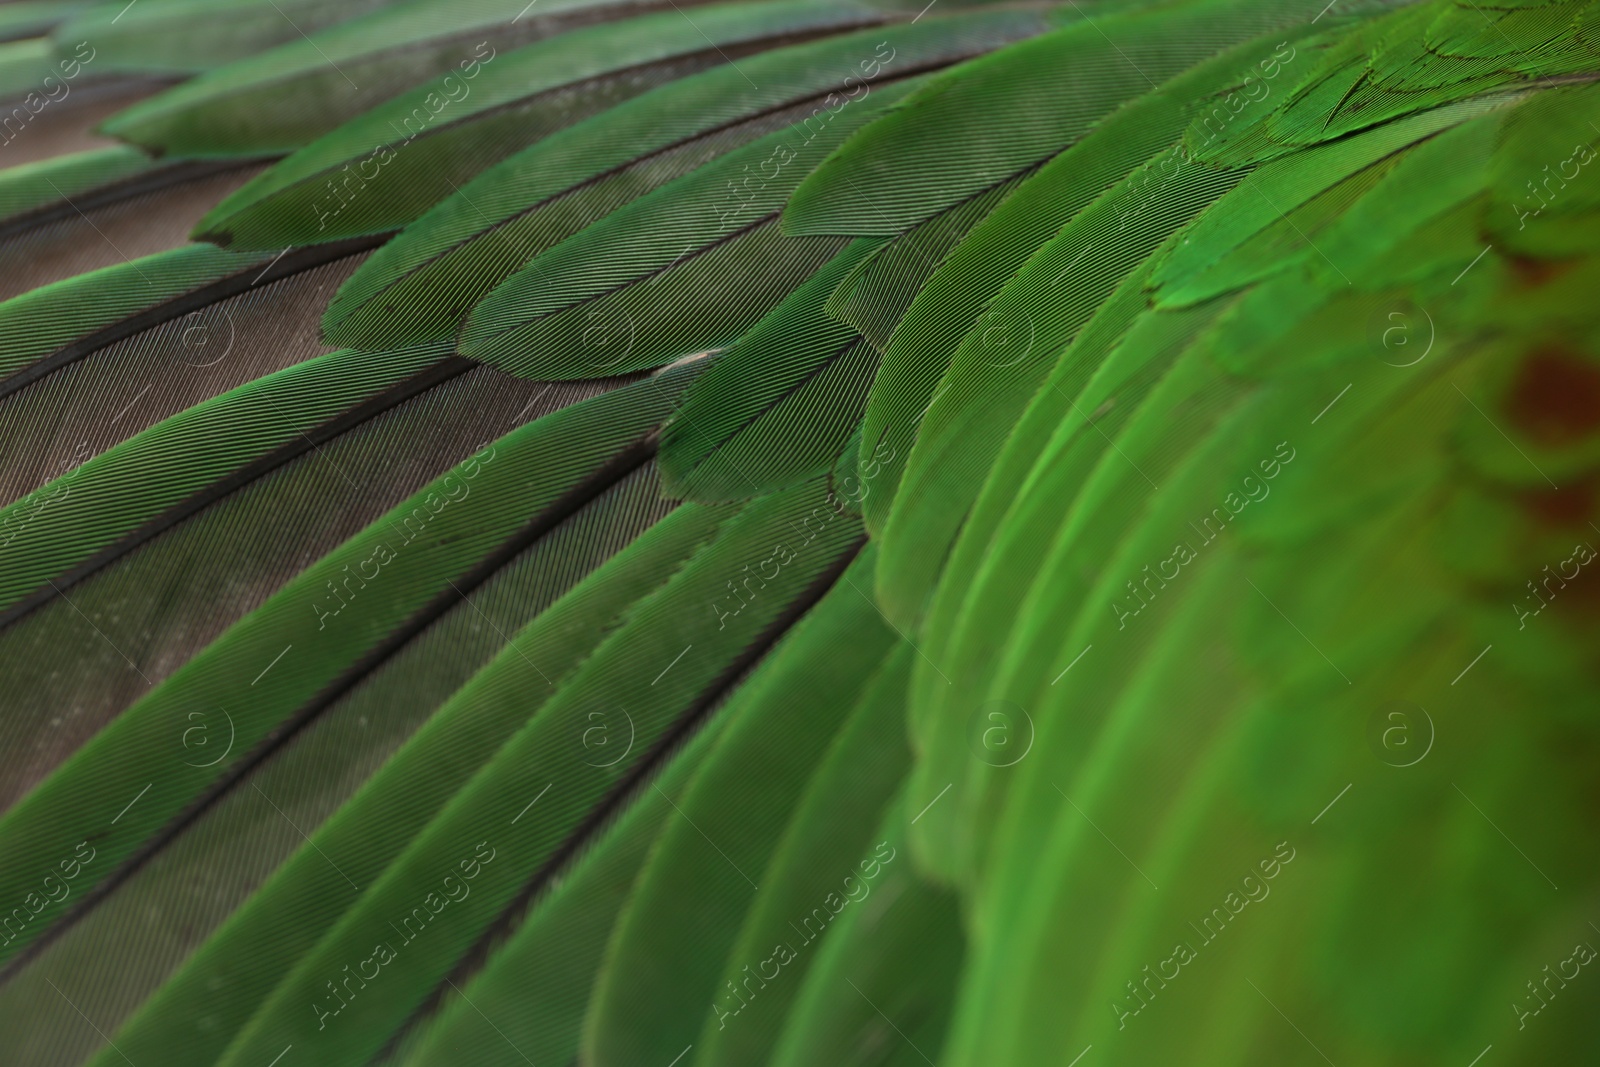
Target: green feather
column 1000, row 116
column 780, row 402
column 41, row 326
column 597, row 302
column 538, row 985
column 1089, row 506
column 728, row 826
column 389, row 165
column 540, row 757
column 180, row 37
column 283, row 921
column 34, row 18
column 30, row 187
column 62, row 525
column 884, row 981
column 815, row 873
column 282, row 99
column 431, row 274
column 568, row 448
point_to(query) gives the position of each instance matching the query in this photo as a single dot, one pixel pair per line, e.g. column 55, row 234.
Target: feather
column 538, row 985
column 440, row 265
column 267, row 937
column 778, row 533
column 286, row 97
column 441, row 553
column 539, row 757
column 741, row 432
column 422, row 145
column 180, row 37
column 692, row 239
column 29, row 189
column 739, row 802
column 819, row 857
column 869, row 997
column 177, row 901
column 34, row 18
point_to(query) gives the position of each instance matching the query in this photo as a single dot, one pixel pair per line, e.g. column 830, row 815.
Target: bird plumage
column 800, row 533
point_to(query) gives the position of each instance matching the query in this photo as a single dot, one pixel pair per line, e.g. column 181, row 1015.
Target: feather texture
column 630, row 533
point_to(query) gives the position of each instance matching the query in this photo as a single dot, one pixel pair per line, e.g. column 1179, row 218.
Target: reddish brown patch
column 1554, row 397
column 1531, row 273
column 1577, row 599
column 1569, row 506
